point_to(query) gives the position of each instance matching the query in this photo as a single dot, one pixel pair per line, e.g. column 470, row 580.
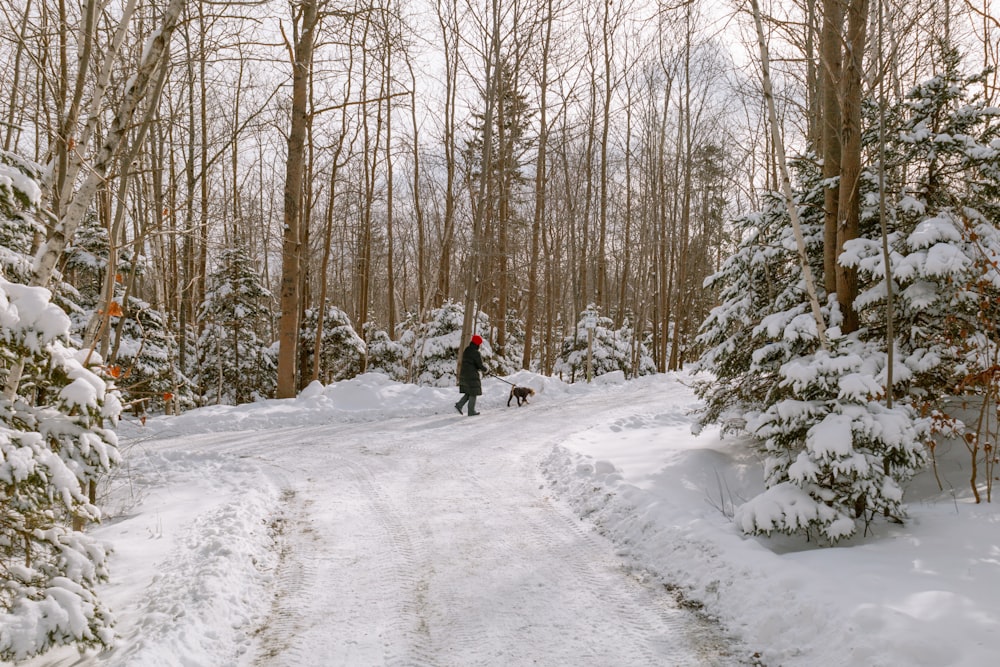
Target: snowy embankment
column 919, row 594
column 197, row 527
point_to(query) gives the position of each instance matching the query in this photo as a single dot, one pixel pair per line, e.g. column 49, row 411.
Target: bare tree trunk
column 627, row 274
column 389, row 230
column 492, row 72
column 601, row 295
column 324, row 281
column 831, row 40
column 684, row 136
column 448, row 21
column 15, row 88
column 418, row 208
column 890, row 303
column 849, row 209
column 370, row 161
column 305, row 235
column 585, row 294
column 200, row 277
column 100, row 315
column 304, row 22
column 813, row 89
column 541, row 177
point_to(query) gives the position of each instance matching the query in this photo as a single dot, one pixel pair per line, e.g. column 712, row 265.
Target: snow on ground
column 205, row 515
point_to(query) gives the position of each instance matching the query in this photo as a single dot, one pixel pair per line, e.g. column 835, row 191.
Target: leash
column 501, row 379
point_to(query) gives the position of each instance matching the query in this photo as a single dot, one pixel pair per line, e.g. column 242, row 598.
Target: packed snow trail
column 434, row 541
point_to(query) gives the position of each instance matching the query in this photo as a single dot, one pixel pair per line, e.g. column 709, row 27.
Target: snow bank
column 911, row 595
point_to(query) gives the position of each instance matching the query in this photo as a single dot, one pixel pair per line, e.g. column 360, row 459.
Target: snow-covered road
column 366, row 524
column 435, row 541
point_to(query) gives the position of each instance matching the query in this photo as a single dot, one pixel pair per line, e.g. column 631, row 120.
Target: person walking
column 469, row 382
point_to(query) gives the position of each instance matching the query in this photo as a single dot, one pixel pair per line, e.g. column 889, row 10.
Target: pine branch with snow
column 611, row 349
column 385, row 355
column 835, row 454
column 56, row 441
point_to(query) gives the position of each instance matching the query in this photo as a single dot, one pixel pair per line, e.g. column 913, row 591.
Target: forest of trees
column 524, row 159
column 217, row 202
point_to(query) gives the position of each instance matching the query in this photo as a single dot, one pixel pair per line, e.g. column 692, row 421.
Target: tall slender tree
column 305, row 21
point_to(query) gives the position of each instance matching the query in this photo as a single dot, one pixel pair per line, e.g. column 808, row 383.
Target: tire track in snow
column 282, row 624
column 408, row 610
column 357, row 551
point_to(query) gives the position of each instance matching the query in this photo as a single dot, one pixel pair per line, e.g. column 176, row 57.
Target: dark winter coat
column 468, row 375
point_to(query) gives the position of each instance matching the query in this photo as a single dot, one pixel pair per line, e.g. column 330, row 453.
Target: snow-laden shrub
column 834, row 452
column 610, row 350
column 142, row 351
column 385, row 355
column 944, row 232
column 640, row 360
column 342, row 350
column 943, row 205
column 146, row 363
column 513, row 352
column 55, row 441
column 19, row 198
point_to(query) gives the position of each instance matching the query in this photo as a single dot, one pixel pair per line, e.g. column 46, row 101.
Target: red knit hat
column 477, row 340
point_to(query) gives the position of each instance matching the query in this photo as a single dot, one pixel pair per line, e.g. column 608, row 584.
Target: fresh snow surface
column 367, row 523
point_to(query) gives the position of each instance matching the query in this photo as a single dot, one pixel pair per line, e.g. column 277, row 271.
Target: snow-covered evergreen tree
column 146, row 359
column 342, row 350
column 761, row 293
column 835, row 454
column 514, row 347
column 434, row 345
column 612, row 348
column 55, row 442
column 234, row 365
column 384, row 354
column 640, row 360
column 142, row 351
column 943, row 222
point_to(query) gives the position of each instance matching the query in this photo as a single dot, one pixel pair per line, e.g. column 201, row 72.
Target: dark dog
column 521, row 394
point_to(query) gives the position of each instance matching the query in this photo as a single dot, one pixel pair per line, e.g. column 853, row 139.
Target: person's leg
column 472, row 405
column 461, row 403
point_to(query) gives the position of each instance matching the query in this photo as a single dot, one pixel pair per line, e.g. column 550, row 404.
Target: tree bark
column 541, row 178
column 492, row 73
column 831, row 40
column 304, row 21
column 849, row 207
column 449, row 32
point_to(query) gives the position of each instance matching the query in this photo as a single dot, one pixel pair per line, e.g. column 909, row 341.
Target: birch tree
column 69, row 205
